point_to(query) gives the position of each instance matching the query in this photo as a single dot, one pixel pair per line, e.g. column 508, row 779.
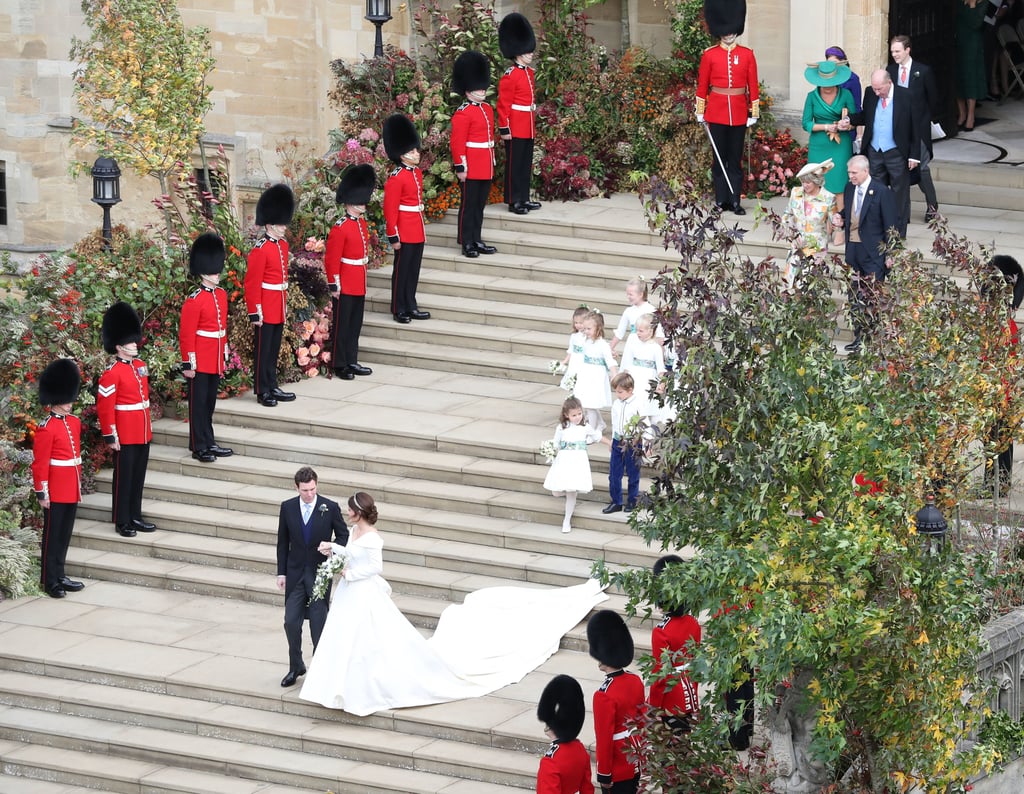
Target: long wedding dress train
column 371, row 658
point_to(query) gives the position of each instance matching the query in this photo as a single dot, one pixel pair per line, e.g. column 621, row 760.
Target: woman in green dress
column 824, row 109
column 971, row 81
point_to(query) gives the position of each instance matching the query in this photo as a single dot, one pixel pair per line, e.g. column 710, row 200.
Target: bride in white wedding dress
column 371, row 658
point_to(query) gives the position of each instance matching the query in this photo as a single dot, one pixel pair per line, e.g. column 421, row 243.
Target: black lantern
column 931, row 526
column 378, row 12
column 106, row 191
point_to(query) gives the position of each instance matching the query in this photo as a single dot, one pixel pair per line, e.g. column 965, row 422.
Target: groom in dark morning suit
column 306, row 520
column 869, row 217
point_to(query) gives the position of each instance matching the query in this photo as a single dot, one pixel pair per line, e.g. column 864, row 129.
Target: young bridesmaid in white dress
column 371, row 658
column 574, row 352
column 570, row 470
column 594, row 377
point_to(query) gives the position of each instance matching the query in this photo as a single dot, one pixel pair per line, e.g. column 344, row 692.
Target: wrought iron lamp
column 106, row 191
column 378, row 12
column 931, row 526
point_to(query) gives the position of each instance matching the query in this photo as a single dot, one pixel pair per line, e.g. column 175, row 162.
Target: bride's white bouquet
column 549, row 451
column 326, row 572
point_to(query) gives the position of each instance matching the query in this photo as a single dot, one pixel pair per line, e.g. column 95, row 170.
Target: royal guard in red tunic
column 1011, row 271
column 727, row 97
column 348, row 253
column 266, row 292
column 672, row 643
column 618, row 701
column 403, row 216
column 472, row 145
column 122, row 407
column 202, row 338
column 57, row 472
column 565, row 767
column 517, row 104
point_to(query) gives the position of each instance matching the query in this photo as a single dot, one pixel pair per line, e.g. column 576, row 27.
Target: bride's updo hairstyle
column 362, row 504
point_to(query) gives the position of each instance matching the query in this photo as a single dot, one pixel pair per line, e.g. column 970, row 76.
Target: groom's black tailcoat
column 297, row 561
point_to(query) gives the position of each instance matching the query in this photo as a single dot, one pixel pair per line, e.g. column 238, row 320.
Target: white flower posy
column 326, row 572
column 549, row 451
column 556, row 367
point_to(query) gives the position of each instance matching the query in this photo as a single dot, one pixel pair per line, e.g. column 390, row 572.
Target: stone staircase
column 163, row 674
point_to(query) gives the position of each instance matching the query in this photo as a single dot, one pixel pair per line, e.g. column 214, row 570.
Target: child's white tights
column 570, row 505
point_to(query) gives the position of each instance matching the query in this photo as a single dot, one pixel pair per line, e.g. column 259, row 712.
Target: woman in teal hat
column 826, row 106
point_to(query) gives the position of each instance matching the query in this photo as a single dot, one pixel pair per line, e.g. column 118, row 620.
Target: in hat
column 725, row 17
column 561, row 707
column 1014, row 274
column 206, row 257
column 59, row 382
column 357, row 185
column 121, row 326
column 275, row 207
column 515, row 36
column 609, row 639
column 827, row 73
column 814, row 168
column 400, row 136
column 471, row 72
column 674, row 610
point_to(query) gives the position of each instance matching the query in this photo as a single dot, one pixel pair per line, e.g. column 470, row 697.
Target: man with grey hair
column 892, row 140
column 869, row 219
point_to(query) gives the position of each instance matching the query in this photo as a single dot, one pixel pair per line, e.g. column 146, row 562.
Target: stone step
column 263, row 494
column 30, row 769
column 445, row 560
column 223, row 651
column 257, row 728
column 488, row 341
column 519, row 468
column 408, row 525
column 221, row 756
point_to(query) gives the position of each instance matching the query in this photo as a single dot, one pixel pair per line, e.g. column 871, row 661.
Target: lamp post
column 106, row 191
column 378, row 12
column 931, row 526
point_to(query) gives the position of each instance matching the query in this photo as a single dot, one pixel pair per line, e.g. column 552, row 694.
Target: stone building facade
column 272, row 78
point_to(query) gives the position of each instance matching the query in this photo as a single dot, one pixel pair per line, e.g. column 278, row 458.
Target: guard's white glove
column 751, row 121
column 700, row 118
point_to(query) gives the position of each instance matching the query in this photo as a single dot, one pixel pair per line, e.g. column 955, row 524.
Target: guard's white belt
column 212, row 334
column 527, row 108
column 618, row 737
column 134, row 406
column 275, row 287
column 479, row 145
column 362, row 261
column 411, row 207
column 66, row 462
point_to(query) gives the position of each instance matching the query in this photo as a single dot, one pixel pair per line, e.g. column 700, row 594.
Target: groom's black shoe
column 292, row 677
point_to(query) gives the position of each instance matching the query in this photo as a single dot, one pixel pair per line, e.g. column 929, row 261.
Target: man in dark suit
column 892, row 141
column 920, row 80
column 306, row 520
column 869, row 217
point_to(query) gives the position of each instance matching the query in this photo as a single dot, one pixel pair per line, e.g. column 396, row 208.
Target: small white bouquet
column 549, row 451
column 569, row 383
column 326, row 572
column 556, row 367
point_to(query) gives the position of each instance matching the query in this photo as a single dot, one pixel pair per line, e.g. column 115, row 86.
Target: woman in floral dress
column 810, row 213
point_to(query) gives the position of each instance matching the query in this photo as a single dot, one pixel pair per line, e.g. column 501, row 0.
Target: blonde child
column 570, row 471
column 637, row 305
column 593, row 377
column 574, row 352
column 644, row 359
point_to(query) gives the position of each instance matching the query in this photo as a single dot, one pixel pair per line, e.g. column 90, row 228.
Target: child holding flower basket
column 570, row 464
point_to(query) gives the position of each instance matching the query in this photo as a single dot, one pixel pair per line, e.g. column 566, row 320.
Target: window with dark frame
column 214, row 187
